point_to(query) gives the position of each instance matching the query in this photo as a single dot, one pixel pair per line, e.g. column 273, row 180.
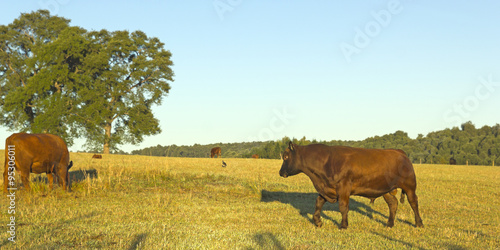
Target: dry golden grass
column 132, row 202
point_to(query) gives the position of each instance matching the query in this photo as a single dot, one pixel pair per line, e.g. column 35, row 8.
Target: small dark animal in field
column 255, row 156
column 36, row 153
column 453, row 161
column 215, row 152
column 96, row 156
column 338, row 172
column 224, row 164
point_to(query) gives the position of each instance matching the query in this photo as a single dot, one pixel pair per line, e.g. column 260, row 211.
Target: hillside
column 467, row 145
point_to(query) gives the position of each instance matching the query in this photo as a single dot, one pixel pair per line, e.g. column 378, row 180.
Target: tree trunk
column 107, row 130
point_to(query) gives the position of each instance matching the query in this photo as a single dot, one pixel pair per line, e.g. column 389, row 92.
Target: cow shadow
column 305, row 204
column 266, row 241
column 81, row 175
column 74, row 176
column 138, row 240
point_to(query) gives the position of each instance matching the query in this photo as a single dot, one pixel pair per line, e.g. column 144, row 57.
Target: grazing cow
column 37, row 153
column 453, row 161
column 255, row 156
column 215, row 152
column 338, row 172
column 96, row 156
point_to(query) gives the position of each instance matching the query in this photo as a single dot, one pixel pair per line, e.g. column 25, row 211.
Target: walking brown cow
column 36, row 153
column 255, row 156
column 215, row 152
column 338, row 172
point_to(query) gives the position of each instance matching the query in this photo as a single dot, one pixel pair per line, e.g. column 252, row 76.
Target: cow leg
column 25, row 178
column 413, row 200
column 64, row 182
column 62, row 178
column 392, row 202
column 320, row 201
column 344, row 209
column 50, row 177
column 5, row 178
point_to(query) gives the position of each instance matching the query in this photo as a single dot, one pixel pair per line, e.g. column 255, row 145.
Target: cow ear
column 291, row 147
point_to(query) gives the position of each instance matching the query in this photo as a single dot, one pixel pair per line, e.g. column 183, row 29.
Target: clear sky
column 328, row 70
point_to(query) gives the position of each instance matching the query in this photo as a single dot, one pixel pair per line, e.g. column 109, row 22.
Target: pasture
column 141, row 202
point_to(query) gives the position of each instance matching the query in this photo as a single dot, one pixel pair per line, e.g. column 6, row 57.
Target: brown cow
column 36, row 153
column 96, row 156
column 338, row 172
column 255, row 156
column 453, row 161
column 215, row 152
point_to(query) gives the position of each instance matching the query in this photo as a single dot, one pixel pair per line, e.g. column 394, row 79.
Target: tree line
column 466, row 145
column 65, row 80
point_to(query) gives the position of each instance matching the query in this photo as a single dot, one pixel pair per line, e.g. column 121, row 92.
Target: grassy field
column 140, row 202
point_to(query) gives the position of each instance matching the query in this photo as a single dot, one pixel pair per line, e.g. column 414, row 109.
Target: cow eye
column 285, row 157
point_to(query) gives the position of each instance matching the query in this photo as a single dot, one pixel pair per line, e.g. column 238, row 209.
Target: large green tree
column 32, row 92
column 64, row 80
column 124, row 76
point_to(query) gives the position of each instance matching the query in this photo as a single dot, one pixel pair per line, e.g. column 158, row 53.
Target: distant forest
column 467, row 144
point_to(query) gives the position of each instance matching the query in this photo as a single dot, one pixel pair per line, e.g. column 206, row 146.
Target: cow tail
column 402, row 199
column 70, row 165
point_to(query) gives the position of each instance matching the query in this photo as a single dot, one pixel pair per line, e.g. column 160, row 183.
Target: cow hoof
column 389, row 224
column 318, row 224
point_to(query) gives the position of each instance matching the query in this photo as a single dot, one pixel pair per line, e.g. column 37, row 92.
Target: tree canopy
column 65, row 80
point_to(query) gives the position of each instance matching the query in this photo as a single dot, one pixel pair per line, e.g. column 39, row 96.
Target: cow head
column 289, row 166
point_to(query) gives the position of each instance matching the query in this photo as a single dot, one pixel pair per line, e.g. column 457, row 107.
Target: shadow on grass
column 5, row 242
column 406, row 244
column 74, row 176
column 138, row 239
column 305, row 203
column 267, row 241
column 41, row 230
column 81, row 175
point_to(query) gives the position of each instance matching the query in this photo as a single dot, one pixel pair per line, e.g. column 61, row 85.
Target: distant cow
column 215, row 152
column 37, row 153
column 96, row 156
column 453, row 161
column 255, row 156
column 338, row 172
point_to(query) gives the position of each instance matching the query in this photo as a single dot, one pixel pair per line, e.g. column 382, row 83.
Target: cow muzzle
column 283, row 174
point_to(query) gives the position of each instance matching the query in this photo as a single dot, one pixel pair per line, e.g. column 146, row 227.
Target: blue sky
column 328, row 70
